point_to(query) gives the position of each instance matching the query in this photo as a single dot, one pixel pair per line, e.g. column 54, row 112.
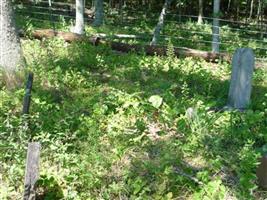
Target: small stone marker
column 32, row 171
column 243, row 64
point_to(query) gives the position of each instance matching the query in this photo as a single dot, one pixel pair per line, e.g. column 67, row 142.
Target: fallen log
column 124, row 47
column 67, row 36
column 162, row 51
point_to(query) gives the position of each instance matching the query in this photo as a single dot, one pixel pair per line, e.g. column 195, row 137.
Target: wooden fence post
column 27, row 97
column 32, row 171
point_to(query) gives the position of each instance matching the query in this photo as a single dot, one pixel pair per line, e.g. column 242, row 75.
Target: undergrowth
column 127, row 126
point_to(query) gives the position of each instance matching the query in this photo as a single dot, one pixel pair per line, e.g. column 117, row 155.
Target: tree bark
column 99, row 13
column 200, row 12
column 10, row 50
column 160, row 24
column 79, row 20
column 216, row 27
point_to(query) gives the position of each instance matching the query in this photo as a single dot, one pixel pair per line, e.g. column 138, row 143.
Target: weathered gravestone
column 243, row 63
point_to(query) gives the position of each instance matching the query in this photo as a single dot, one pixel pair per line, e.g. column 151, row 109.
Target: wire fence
column 181, row 30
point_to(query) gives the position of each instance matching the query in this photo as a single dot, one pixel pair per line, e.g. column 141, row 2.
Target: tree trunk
column 10, row 50
column 216, row 27
column 229, row 5
column 200, row 12
column 99, row 13
column 160, row 24
column 79, row 21
column 93, row 4
column 237, row 9
column 120, row 12
column 251, row 9
column 259, row 11
column 247, row 8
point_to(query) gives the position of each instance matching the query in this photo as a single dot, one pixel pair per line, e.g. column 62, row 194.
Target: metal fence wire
column 181, row 30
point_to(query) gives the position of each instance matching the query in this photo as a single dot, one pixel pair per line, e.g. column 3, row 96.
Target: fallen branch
column 180, row 172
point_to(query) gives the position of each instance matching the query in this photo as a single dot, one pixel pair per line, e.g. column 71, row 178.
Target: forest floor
column 127, row 126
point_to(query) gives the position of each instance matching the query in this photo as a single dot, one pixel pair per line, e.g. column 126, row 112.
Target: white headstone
column 241, row 80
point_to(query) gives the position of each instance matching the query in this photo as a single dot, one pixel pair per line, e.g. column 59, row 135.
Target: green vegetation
column 131, row 126
column 127, row 126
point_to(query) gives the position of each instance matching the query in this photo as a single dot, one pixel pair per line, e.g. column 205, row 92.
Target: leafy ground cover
column 127, row 126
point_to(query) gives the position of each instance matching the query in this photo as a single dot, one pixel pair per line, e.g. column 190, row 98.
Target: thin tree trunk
column 121, row 11
column 93, row 3
column 120, row 5
column 179, row 9
column 237, row 9
column 251, row 9
column 200, row 12
column 247, row 7
column 160, row 24
column 99, row 13
column 259, row 11
column 229, row 5
column 149, row 5
column 79, row 21
column 10, row 50
column 259, row 17
column 216, row 27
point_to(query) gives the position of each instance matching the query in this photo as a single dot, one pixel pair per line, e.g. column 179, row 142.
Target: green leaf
column 156, row 101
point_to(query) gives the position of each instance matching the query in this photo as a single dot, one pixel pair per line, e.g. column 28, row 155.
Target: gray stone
column 243, row 64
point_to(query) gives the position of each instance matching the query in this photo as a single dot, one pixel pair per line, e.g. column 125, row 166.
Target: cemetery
column 100, row 103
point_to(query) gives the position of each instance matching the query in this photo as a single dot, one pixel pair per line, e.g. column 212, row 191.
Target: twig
column 180, row 172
